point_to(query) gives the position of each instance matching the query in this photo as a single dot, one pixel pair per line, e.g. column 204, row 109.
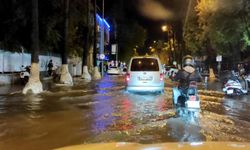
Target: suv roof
column 140, row 63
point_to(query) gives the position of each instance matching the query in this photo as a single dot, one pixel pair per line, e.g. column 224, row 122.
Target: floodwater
column 102, row 111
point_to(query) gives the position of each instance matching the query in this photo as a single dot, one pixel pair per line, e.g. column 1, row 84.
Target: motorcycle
column 248, row 81
column 25, row 74
column 233, row 86
column 187, row 97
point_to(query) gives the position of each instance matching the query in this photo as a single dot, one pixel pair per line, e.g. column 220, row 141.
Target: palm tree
column 96, row 73
column 86, row 46
column 34, row 84
column 65, row 75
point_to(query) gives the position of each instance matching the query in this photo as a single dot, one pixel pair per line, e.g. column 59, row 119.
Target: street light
column 164, row 28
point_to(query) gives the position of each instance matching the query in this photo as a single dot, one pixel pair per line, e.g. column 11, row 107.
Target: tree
column 129, row 32
column 130, row 35
column 15, row 24
column 86, row 44
column 218, row 27
column 96, row 73
column 223, row 25
column 65, row 75
column 34, row 84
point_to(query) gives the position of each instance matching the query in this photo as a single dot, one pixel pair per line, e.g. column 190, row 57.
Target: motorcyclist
column 24, row 74
column 187, row 74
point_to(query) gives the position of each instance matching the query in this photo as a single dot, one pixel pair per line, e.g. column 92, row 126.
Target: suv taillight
column 161, row 76
column 127, row 77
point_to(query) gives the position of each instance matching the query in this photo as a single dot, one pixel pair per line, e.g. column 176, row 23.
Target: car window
column 144, row 64
column 113, row 67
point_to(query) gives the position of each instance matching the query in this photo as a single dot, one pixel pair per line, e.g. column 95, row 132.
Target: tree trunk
column 96, row 73
column 34, row 84
column 85, row 73
column 65, row 75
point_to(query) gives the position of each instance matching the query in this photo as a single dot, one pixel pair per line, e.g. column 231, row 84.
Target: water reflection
column 102, row 114
column 102, row 108
column 185, row 127
column 2, row 105
column 237, row 107
column 33, row 105
column 124, row 115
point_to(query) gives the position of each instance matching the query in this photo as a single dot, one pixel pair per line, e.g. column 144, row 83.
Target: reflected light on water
column 152, row 148
column 102, row 114
column 33, row 105
column 196, row 143
column 102, row 108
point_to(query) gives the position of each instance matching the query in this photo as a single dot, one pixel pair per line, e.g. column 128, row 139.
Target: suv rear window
column 144, row 64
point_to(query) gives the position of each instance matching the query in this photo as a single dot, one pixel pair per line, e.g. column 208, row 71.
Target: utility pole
column 94, row 48
column 102, row 32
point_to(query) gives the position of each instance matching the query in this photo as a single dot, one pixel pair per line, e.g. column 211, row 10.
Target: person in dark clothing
column 50, row 67
column 188, row 73
column 185, row 76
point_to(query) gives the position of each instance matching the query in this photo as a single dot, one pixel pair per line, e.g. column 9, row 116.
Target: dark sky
column 151, row 14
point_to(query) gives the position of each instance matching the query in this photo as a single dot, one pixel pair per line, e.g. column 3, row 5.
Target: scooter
column 248, row 81
column 25, row 74
column 188, row 97
column 234, row 87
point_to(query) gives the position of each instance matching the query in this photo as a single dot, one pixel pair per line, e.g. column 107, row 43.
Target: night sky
column 152, row 26
column 151, row 14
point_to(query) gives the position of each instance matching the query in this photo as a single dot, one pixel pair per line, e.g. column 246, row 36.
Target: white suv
column 145, row 74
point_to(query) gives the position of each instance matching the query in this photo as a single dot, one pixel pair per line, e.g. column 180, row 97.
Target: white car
column 145, row 74
column 170, row 71
column 113, row 70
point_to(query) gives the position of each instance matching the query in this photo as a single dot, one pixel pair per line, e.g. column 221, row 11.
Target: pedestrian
column 50, row 67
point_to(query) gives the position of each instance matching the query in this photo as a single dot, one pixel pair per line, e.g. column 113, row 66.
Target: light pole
column 165, row 29
column 94, row 48
column 168, row 30
column 102, row 37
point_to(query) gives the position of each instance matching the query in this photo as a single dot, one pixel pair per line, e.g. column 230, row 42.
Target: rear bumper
column 145, row 89
column 113, row 73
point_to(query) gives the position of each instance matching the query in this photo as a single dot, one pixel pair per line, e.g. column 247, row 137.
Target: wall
column 12, row 61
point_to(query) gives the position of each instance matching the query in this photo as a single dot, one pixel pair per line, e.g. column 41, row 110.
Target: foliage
column 15, row 25
column 129, row 33
column 221, row 23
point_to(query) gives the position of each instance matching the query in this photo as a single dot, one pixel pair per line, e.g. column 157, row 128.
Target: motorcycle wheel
column 181, row 101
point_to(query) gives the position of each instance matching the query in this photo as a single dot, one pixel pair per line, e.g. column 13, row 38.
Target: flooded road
column 102, row 111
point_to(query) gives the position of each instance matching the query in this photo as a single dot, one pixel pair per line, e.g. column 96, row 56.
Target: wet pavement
column 102, row 111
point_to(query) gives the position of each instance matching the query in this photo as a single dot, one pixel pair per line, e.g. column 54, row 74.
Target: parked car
column 113, row 70
column 145, row 74
column 170, row 71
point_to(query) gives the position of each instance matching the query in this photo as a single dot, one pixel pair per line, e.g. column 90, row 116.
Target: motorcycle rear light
column 192, row 98
column 127, row 77
column 161, row 76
